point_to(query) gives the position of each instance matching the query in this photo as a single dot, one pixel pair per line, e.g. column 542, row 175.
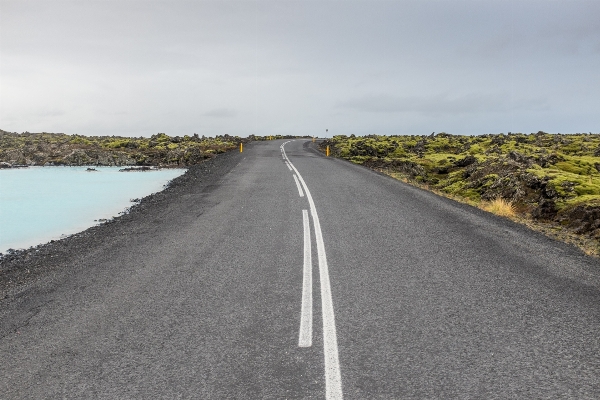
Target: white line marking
column 288, row 165
column 300, row 192
column 333, row 376
column 305, row 337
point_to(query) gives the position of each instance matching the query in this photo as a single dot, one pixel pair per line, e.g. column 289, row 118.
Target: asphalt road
column 413, row 296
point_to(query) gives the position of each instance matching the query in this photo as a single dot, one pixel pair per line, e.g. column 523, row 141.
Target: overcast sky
column 135, row 68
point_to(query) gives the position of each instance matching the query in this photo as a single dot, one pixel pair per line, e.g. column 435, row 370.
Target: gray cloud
column 298, row 67
column 220, row 113
column 440, row 104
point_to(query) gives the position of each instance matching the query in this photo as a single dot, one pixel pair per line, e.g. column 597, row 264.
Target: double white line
column 333, row 378
column 305, row 337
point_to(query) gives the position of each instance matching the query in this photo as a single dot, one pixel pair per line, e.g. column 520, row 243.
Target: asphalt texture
column 196, row 293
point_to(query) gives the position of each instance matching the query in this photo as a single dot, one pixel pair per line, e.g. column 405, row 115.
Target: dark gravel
column 18, row 269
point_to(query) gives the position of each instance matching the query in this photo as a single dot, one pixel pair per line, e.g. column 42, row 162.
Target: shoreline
column 35, row 212
column 6, row 165
column 22, row 267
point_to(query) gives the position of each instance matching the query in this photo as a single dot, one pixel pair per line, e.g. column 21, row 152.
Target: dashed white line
column 300, row 192
column 288, row 165
column 305, row 337
column 333, row 377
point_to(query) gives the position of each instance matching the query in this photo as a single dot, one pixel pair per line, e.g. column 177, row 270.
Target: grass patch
column 499, row 207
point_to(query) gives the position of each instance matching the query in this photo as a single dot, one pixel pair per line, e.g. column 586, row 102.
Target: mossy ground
column 61, row 149
column 158, row 150
column 551, row 181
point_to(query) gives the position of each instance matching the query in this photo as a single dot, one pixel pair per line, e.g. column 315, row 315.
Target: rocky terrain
column 24, row 149
column 160, row 150
column 549, row 178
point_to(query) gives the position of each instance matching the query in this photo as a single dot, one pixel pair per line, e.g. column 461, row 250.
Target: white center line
column 300, row 192
column 288, row 165
column 333, row 376
column 305, row 337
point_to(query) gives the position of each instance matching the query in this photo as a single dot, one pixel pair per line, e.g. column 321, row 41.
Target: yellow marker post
column 241, row 147
column 313, row 139
column 327, row 152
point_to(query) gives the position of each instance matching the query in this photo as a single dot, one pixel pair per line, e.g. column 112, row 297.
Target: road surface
column 295, row 275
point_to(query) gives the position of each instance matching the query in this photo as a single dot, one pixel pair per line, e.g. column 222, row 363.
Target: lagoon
column 39, row 204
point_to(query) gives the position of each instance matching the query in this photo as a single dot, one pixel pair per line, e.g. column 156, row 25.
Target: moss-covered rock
column 159, row 150
column 551, row 177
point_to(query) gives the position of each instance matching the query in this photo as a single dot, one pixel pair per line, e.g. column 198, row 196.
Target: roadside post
column 241, row 147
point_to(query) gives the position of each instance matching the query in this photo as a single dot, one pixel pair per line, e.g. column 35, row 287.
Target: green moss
column 118, row 143
column 454, row 188
column 475, row 149
column 573, row 167
column 471, row 194
column 76, row 139
column 564, row 167
column 585, row 189
column 425, row 162
column 359, row 159
column 439, row 158
column 590, row 199
column 489, row 180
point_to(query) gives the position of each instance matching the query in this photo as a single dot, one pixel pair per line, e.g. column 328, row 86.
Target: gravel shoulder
column 40, row 265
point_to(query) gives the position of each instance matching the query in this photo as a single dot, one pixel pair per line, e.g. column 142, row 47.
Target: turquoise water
column 39, row 204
